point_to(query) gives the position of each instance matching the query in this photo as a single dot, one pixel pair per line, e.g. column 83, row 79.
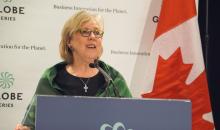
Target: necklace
column 85, row 84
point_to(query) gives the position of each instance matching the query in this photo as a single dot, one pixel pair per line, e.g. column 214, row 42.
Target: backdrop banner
column 30, row 33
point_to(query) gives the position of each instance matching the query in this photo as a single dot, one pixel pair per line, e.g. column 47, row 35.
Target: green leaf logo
column 6, row 80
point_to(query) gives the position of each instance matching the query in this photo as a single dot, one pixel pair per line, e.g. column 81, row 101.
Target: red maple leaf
column 170, row 83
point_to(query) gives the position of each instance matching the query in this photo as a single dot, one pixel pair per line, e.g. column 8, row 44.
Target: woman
column 81, row 44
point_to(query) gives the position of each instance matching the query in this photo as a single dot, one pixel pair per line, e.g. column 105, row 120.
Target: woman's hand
column 22, row 127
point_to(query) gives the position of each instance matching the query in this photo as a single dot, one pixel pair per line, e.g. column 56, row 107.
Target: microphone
column 107, row 77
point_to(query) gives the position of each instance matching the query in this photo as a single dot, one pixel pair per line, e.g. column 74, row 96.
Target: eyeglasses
column 87, row 33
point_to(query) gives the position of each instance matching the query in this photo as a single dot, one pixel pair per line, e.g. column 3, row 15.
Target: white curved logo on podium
column 116, row 126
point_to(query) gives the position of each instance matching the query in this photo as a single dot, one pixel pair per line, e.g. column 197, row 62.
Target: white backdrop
column 29, row 38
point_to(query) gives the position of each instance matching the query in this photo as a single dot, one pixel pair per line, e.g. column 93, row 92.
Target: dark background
column 211, row 50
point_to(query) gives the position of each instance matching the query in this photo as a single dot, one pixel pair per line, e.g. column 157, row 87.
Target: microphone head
column 92, row 65
column 95, row 64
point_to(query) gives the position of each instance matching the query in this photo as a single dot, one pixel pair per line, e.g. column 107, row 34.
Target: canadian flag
column 176, row 67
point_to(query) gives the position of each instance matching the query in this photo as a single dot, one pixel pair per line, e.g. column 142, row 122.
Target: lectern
column 95, row 113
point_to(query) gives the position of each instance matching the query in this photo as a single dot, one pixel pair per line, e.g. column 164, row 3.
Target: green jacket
column 47, row 86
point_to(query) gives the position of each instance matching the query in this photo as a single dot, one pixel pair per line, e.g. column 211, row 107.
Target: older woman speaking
column 81, row 45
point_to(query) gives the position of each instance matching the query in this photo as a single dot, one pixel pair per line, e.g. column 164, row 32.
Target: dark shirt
column 74, row 86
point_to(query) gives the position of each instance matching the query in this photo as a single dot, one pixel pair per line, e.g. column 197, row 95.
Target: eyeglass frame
column 100, row 35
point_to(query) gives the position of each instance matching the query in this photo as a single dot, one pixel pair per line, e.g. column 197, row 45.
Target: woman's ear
column 69, row 45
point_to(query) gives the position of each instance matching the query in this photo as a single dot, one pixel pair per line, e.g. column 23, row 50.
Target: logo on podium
column 116, row 126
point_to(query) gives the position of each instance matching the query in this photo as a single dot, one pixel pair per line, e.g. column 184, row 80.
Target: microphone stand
column 108, row 79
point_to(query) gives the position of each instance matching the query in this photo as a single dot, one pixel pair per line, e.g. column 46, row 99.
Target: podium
column 95, row 113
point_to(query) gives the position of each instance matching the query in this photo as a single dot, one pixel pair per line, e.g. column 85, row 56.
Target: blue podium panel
column 92, row 113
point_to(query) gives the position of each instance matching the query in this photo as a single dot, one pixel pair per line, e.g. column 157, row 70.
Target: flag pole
column 206, row 34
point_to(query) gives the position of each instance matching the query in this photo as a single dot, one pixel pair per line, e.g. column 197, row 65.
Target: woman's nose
column 92, row 36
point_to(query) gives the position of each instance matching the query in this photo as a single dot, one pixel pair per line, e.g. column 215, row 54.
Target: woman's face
column 86, row 43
